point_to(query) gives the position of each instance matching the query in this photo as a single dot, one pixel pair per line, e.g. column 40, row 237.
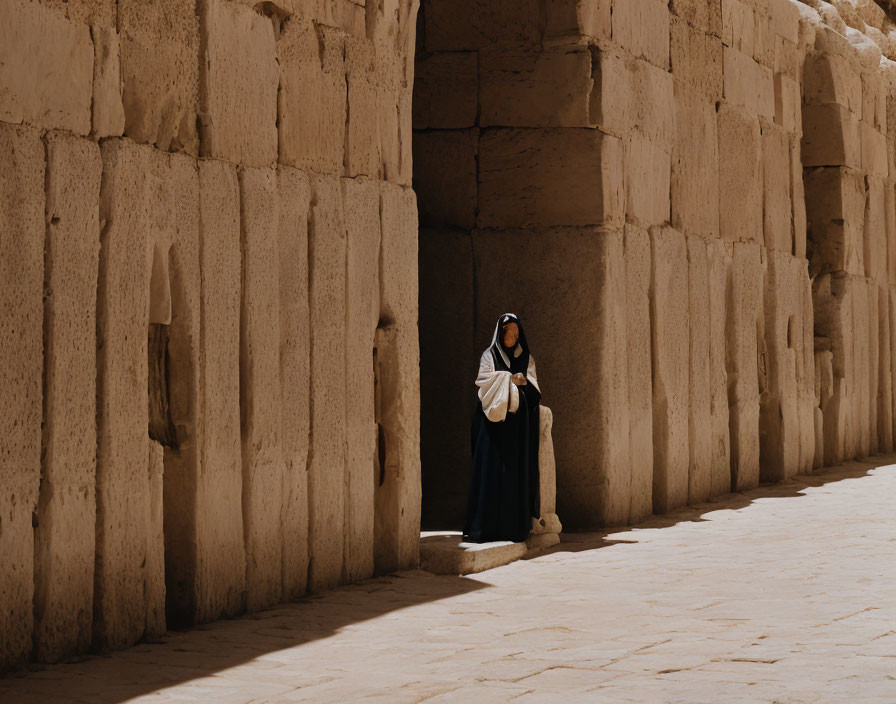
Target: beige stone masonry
column 65, row 531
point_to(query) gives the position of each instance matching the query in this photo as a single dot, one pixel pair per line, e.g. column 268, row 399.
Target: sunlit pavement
column 783, row 594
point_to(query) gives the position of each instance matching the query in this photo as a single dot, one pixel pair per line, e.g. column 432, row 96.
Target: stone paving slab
column 783, row 594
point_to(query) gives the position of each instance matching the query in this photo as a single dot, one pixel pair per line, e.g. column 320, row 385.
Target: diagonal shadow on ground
column 205, row 650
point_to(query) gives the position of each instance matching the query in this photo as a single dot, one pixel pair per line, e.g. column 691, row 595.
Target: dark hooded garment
column 505, row 433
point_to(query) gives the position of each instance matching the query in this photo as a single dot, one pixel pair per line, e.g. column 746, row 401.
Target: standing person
column 505, row 432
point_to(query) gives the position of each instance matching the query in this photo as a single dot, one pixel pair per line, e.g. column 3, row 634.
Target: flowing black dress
column 504, row 488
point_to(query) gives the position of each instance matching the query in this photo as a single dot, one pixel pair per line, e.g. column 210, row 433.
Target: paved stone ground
column 784, row 594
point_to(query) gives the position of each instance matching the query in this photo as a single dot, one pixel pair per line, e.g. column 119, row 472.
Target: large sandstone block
column 474, row 24
column 46, row 68
column 398, row 492
column 670, row 349
column 327, row 305
column 788, row 112
column 797, row 184
column 739, row 25
column 591, row 422
column 129, row 581
column 571, row 19
column 740, row 176
column 779, row 424
column 446, row 90
column 696, row 58
column 641, row 27
column 785, row 19
column 743, row 78
column 294, row 197
column 66, row 518
column 744, row 330
column 705, row 15
column 719, row 267
column 550, row 177
column 547, row 88
column 831, row 79
column 98, row 13
column 810, row 416
column 221, row 556
column 777, row 199
column 831, row 137
column 647, row 182
column 361, row 203
column 885, row 373
column 260, row 400
column 107, row 107
column 875, row 230
column 631, row 96
column 182, row 460
column 22, row 231
column 445, row 177
column 695, row 165
column 312, row 99
column 874, row 151
column 239, row 83
column 362, row 143
column 699, row 372
column 160, row 72
column 835, row 209
column 638, row 262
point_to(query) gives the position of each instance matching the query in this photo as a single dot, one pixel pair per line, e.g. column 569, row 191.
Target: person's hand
column 519, row 379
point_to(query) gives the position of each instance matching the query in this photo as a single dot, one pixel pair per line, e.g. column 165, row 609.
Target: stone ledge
column 446, row 553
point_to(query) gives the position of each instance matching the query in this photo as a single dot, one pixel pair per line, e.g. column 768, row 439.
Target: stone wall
column 209, row 298
column 690, row 203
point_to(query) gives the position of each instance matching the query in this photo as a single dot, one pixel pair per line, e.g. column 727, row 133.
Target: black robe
column 504, row 488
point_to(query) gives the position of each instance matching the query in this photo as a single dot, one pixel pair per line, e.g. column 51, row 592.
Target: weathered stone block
column 738, row 26
column 799, row 198
column 779, row 425
column 641, row 27
column 312, row 98
column 445, row 177
column 362, row 144
column 327, row 304
column 831, row 137
column 776, row 196
column 548, row 88
column 361, row 201
column 398, row 494
column 718, row 267
column 875, row 230
column 221, row 558
column 160, row 72
column 66, row 519
column 239, row 80
column 695, row 165
column 785, row 19
column 885, row 374
column 705, row 15
column 446, row 90
column 647, row 182
column 696, row 58
column 108, row 110
column 294, row 198
column 571, row 19
column 129, row 580
column 670, row 348
column 550, row 177
column 788, row 112
column 22, row 230
column 742, row 80
column 835, row 208
column 700, row 363
column 629, row 97
column 639, row 373
column 740, row 176
column 35, row 41
column 260, row 397
column 745, row 347
column 829, row 78
column 874, row 151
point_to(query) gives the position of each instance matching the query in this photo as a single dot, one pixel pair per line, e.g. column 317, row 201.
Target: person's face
column 511, row 334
